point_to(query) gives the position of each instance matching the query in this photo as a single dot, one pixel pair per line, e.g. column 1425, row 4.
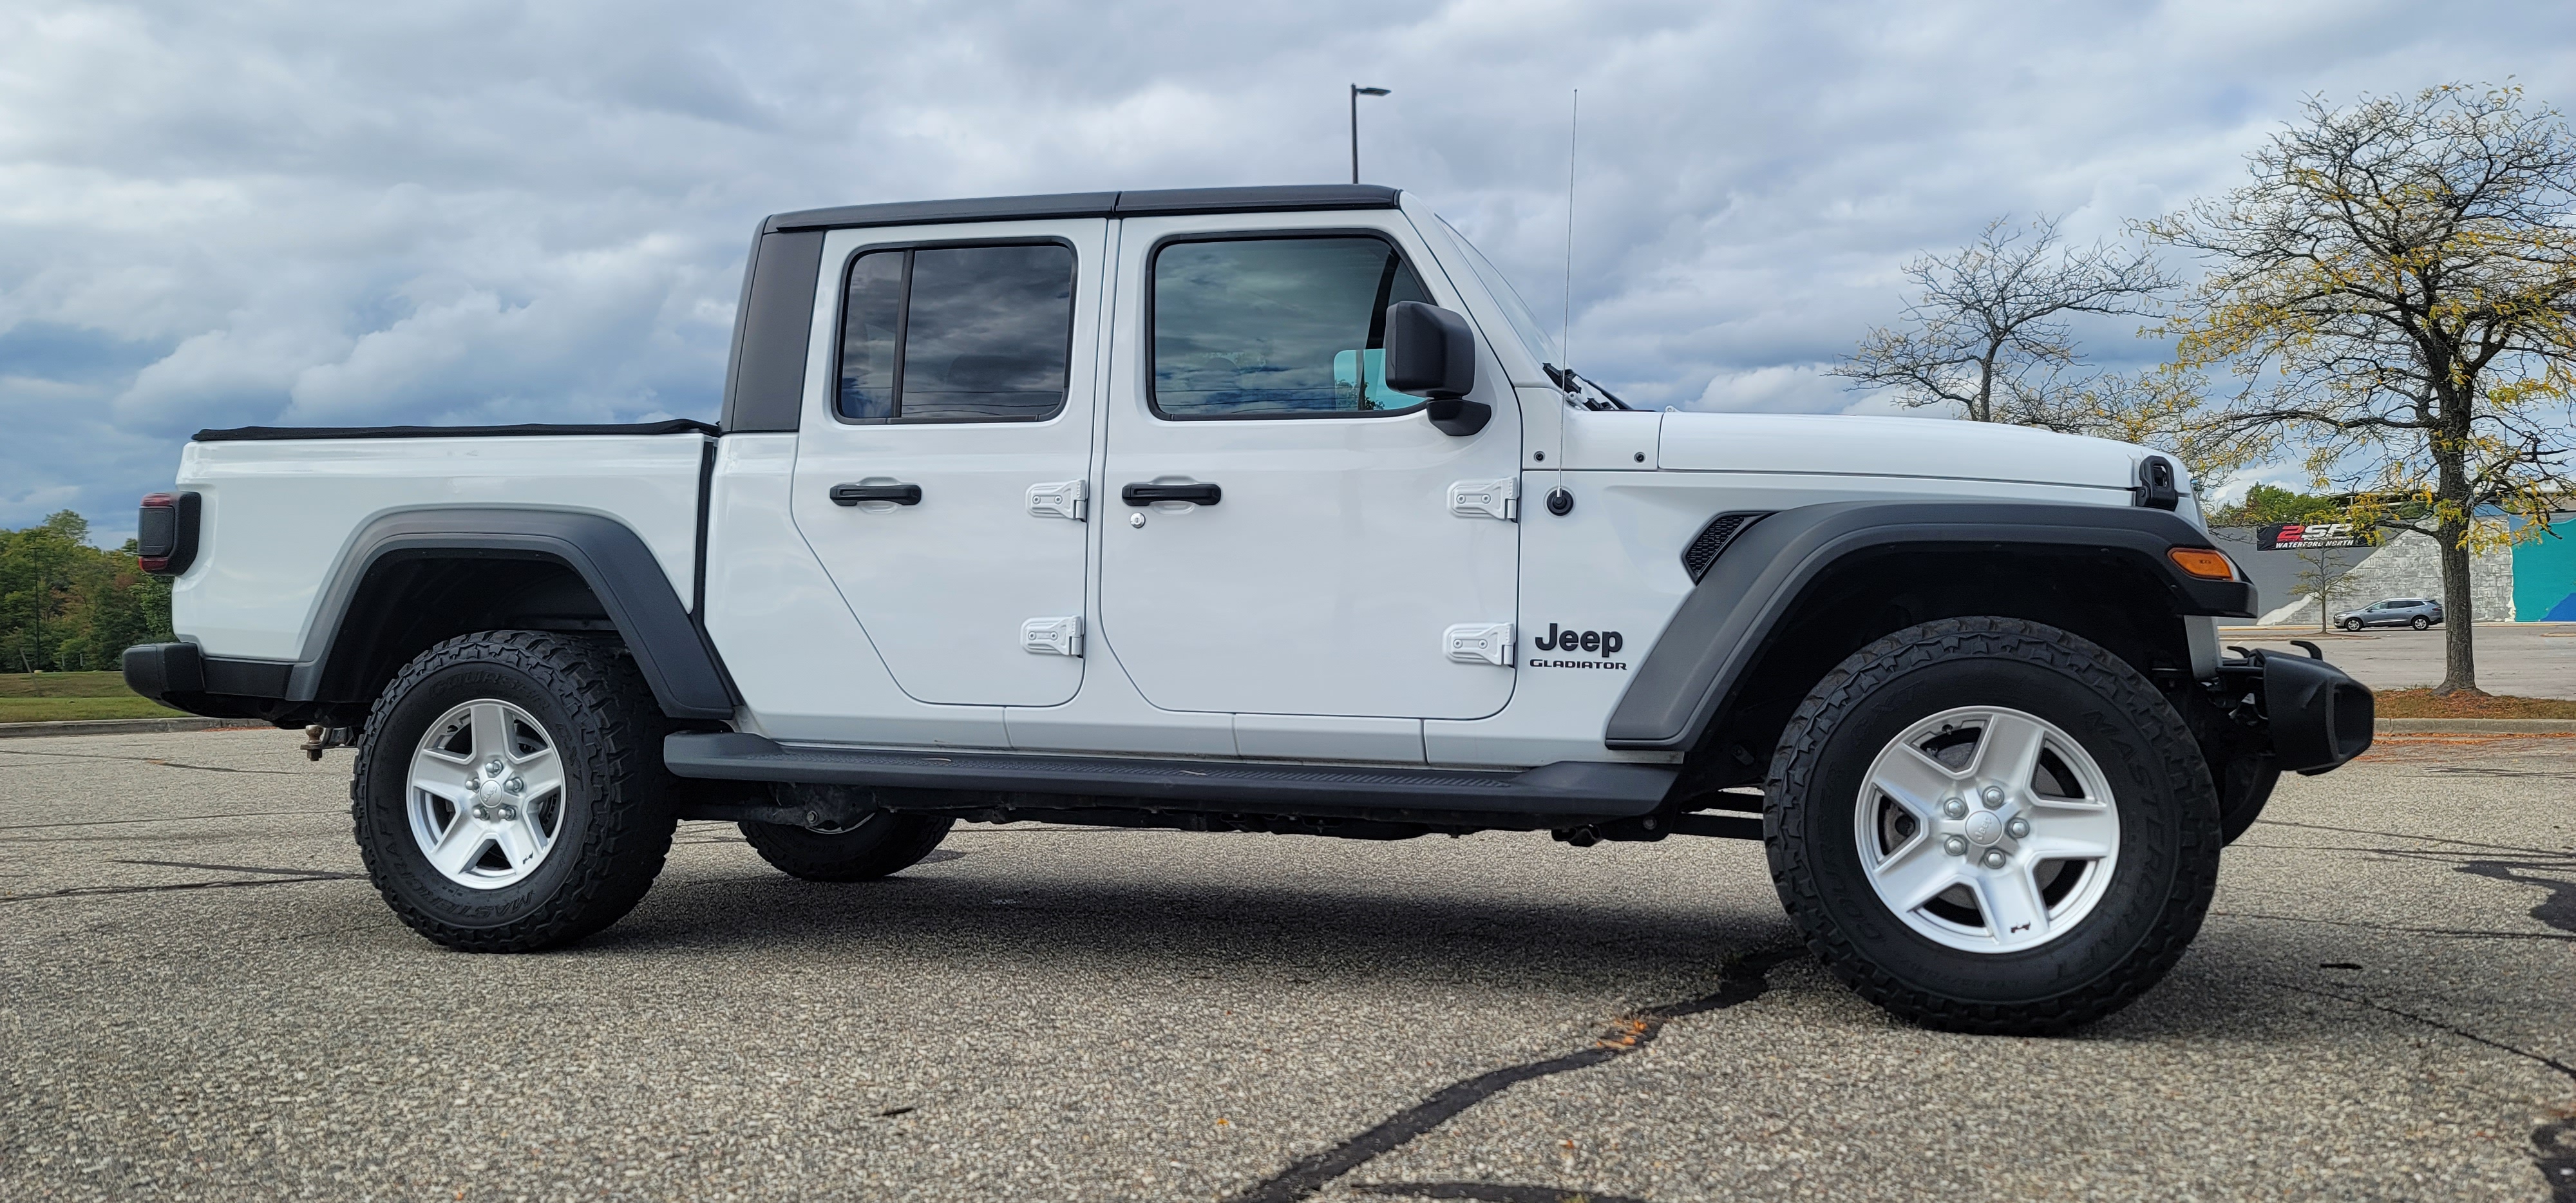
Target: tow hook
column 319, row 739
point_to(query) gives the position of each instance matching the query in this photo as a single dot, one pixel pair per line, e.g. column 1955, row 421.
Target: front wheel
column 509, row 793
column 1991, row 825
column 2421, row 622
column 2352, row 624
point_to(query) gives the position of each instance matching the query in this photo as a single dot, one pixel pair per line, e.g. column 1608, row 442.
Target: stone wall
column 2410, row 565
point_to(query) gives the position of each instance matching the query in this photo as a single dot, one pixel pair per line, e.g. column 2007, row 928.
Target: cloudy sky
column 299, row 213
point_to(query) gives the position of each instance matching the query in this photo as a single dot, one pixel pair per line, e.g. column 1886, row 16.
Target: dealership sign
column 2302, row 536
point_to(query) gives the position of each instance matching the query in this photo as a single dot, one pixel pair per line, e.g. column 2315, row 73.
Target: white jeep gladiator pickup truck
column 1249, row 509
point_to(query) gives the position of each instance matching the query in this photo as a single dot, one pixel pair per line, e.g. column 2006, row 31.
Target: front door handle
column 1145, row 495
column 898, row 494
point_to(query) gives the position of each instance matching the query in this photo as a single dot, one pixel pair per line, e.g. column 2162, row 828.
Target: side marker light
column 2203, row 563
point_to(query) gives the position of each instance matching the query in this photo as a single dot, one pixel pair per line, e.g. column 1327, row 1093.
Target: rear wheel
column 2421, row 622
column 509, row 793
column 1991, row 825
column 879, row 844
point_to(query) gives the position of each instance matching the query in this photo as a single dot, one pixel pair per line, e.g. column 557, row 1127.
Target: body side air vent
column 1713, row 538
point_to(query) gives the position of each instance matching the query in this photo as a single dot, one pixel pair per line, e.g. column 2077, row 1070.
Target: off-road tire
column 617, row 819
column 2158, row 892
column 882, row 843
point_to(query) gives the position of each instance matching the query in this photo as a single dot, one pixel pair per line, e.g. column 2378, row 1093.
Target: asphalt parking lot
column 200, row 999
column 2526, row 659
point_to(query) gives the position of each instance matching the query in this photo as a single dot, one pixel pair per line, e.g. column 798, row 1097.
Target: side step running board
column 1587, row 789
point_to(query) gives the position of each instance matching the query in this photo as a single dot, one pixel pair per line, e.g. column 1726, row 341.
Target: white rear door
column 940, row 475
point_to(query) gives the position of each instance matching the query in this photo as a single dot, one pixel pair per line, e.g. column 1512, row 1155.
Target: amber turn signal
column 2203, row 563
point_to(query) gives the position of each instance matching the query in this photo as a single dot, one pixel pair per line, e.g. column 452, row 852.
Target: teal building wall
column 2544, row 575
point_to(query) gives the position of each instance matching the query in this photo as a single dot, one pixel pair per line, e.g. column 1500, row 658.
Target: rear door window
column 956, row 334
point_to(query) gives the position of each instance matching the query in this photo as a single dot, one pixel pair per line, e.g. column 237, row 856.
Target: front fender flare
column 1722, row 626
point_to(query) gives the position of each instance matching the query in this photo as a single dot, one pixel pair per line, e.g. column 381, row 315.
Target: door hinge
column 1052, row 636
column 1063, row 499
column 1479, row 643
column 1487, row 499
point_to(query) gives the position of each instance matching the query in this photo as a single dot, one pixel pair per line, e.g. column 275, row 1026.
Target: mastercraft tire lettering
column 1990, row 825
column 476, row 865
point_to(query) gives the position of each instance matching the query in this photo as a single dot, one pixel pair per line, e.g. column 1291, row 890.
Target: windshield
column 1515, row 310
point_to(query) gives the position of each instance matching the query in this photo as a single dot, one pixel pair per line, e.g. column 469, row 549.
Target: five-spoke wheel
column 487, row 794
column 1992, row 825
column 508, row 791
column 1987, row 829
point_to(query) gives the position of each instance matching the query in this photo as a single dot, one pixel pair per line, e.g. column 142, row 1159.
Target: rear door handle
column 1145, row 495
column 898, row 494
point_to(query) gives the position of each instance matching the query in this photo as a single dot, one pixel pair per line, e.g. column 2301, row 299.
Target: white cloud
column 484, row 210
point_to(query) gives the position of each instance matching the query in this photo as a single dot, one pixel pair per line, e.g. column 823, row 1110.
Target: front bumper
column 2314, row 715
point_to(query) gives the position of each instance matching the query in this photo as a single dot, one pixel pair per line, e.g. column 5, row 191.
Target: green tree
column 67, row 606
column 2396, row 287
column 2270, row 503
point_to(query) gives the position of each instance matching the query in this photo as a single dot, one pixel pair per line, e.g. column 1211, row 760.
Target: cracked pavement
column 198, row 999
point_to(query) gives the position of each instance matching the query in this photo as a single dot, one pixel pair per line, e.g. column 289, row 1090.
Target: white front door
column 1321, row 565
column 940, row 475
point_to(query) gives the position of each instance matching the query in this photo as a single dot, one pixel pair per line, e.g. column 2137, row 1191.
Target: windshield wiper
column 1573, row 386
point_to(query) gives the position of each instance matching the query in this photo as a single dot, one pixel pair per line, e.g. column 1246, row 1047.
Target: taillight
column 165, row 533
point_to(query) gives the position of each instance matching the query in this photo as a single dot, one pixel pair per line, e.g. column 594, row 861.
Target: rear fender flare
column 677, row 660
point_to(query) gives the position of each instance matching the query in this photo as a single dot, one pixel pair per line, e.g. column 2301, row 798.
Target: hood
column 1851, row 445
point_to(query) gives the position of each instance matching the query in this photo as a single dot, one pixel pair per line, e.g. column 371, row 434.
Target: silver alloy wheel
column 486, row 794
column 1987, row 829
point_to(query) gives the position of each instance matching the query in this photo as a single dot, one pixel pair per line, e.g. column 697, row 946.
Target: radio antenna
column 1565, row 318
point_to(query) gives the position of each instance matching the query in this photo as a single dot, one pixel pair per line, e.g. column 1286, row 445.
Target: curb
column 2465, row 726
column 121, row 726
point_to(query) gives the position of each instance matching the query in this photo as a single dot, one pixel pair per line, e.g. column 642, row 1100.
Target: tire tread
column 613, row 748
column 1839, row 695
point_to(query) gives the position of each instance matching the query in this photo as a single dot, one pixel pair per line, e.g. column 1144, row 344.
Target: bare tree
column 1986, row 329
column 2321, row 577
column 2394, row 287
column 2163, row 408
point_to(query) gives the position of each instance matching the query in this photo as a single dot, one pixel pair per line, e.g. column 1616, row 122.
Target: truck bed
column 281, row 505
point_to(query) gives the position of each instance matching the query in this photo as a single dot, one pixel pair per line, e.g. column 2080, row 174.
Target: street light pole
column 1357, row 92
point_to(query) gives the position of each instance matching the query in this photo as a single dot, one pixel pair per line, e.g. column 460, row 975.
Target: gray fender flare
column 686, row 676
column 1723, row 625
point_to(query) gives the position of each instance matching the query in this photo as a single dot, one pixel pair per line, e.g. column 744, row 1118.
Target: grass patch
column 68, row 697
column 2424, row 703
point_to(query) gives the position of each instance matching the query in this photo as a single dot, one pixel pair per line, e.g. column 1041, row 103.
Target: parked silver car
column 2416, row 612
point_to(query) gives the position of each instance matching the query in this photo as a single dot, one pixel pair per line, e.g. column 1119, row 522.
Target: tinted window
column 957, row 334
column 1273, row 327
column 870, row 323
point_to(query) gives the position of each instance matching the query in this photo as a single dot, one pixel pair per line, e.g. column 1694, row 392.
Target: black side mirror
column 1431, row 353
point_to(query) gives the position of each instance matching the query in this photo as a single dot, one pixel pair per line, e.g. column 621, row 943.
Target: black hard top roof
column 1274, row 198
